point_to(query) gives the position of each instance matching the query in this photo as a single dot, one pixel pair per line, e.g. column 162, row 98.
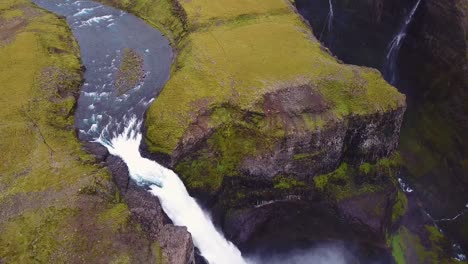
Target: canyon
column 287, row 147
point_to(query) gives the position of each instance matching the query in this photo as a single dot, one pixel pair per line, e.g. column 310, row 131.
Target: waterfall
column 181, row 208
column 329, row 22
column 330, row 16
column 394, row 47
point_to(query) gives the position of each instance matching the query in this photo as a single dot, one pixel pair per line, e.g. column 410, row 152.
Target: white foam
column 175, row 200
column 85, row 11
column 95, row 20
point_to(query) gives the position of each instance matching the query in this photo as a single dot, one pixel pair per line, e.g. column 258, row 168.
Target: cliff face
column 256, row 110
column 360, row 31
column 245, row 100
column 299, row 151
column 173, row 243
column 435, row 144
column 433, row 74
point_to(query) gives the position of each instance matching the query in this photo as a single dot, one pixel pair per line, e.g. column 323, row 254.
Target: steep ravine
column 288, row 147
column 313, row 141
column 431, row 67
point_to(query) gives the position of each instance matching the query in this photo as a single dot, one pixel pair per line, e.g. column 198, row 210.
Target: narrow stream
column 113, row 118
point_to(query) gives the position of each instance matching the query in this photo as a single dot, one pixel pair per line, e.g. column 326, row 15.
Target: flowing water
column 176, row 202
column 329, row 24
column 390, row 67
column 113, row 119
column 330, row 16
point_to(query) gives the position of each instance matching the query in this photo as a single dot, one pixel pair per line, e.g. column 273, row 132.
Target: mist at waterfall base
column 325, row 253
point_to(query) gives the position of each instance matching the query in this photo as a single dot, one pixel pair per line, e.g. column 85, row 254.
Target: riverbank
column 56, row 203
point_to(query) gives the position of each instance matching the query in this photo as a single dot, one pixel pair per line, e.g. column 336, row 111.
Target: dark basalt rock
column 254, row 213
column 99, row 151
column 175, row 242
column 433, row 74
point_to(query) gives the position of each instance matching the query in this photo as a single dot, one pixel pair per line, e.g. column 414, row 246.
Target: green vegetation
column 245, row 51
column 287, row 183
column 400, row 206
column 158, row 253
column 365, row 168
column 166, row 15
column 130, row 72
column 34, row 236
column 53, row 198
column 408, row 247
column 229, row 55
column 347, row 181
column 116, row 217
column 228, row 148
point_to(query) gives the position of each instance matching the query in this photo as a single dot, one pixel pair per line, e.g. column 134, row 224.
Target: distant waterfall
column 330, row 16
column 329, row 23
column 390, row 70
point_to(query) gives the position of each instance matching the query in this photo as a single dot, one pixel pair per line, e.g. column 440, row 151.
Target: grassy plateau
column 56, row 204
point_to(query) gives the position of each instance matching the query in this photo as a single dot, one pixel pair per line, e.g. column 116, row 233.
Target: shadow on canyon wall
column 433, row 73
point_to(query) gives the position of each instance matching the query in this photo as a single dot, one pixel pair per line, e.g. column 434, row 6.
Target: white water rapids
column 181, row 208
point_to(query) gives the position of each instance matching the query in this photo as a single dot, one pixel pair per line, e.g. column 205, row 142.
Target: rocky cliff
column 256, row 110
column 436, row 145
column 432, row 69
column 244, row 100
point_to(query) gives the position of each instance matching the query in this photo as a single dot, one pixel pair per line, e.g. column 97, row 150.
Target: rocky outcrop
column 301, row 151
column 173, row 243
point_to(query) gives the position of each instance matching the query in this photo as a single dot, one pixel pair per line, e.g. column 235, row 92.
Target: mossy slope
column 56, row 205
column 237, row 54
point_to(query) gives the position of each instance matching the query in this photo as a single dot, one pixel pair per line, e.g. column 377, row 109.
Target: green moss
column 130, row 72
column 228, row 148
column 33, row 236
column 365, row 168
column 400, row 206
column 122, row 259
column 166, row 15
column 240, row 60
column 158, row 253
column 398, row 249
column 205, row 11
column 41, row 142
column 10, row 14
column 321, row 182
column 116, row 217
column 287, row 183
column 407, row 247
column 347, row 181
column 302, row 156
column 434, row 234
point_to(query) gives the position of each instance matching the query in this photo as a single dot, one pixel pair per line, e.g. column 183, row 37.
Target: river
column 112, row 117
